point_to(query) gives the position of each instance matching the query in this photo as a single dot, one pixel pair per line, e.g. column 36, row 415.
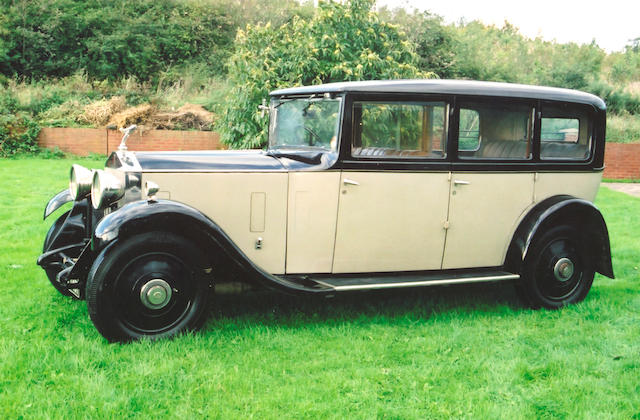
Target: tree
column 110, row 38
column 434, row 41
column 505, row 55
column 340, row 42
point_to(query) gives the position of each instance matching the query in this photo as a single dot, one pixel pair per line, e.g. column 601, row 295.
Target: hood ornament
column 126, row 132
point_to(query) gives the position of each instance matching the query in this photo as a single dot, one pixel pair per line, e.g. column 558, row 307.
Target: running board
column 375, row 281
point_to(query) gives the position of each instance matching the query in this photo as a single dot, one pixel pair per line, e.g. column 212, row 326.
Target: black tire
column 52, row 271
column 557, row 270
column 158, row 262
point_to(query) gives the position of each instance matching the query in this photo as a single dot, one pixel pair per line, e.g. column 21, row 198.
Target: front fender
column 172, row 216
column 569, row 210
column 56, row 202
column 144, row 216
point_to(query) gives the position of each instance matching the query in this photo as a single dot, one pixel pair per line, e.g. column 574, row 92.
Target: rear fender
column 563, row 209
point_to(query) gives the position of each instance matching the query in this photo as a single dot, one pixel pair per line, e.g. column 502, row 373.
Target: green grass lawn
column 462, row 352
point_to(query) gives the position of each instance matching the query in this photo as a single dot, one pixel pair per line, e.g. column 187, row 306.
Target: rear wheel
column 150, row 285
column 557, row 271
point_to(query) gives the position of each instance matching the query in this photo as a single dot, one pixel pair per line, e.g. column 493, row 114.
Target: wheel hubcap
column 155, row 294
column 563, row 269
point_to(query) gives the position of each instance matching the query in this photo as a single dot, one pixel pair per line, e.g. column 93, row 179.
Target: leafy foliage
column 625, row 66
column 109, row 39
column 18, row 132
column 623, row 128
column 340, row 42
column 617, row 100
column 433, row 40
column 64, row 54
column 504, row 55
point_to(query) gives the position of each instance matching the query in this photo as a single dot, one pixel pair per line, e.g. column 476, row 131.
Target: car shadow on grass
column 269, row 308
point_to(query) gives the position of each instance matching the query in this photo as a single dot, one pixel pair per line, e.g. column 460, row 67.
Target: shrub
column 433, row 40
column 505, row 55
column 67, row 114
column 340, row 42
column 618, row 101
column 110, row 39
column 54, row 153
column 623, row 128
column 18, row 134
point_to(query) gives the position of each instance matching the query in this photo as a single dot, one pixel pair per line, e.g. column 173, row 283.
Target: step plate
column 385, row 281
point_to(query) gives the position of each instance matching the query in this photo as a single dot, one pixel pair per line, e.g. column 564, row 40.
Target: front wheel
column 150, row 285
column 557, row 271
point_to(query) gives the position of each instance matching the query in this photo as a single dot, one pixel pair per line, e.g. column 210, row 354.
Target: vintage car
column 364, row 185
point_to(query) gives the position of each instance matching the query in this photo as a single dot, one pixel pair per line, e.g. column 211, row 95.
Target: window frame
column 570, row 113
column 464, row 103
column 406, row 101
column 451, row 162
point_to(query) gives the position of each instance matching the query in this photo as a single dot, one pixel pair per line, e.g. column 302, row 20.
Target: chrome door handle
column 348, row 181
column 460, row 182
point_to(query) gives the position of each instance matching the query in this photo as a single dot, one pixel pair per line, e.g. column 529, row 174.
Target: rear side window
column 469, row 132
column 399, row 130
column 564, row 134
column 495, row 131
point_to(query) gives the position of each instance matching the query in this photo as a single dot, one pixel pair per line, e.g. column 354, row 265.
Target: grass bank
column 624, row 128
column 471, row 352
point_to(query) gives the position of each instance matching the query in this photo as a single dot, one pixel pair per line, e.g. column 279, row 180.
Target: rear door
column 491, row 186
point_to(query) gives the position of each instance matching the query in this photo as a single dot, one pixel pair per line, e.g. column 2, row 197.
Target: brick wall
column 79, row 141
column 82, row 141
column 622, row 161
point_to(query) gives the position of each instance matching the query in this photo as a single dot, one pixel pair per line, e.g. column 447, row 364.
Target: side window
column 495, row 131
column 469, row 131
column 564, row 134
column 399, row 129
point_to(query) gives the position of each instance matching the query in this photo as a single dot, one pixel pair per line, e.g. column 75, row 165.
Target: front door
column 392, row 207
column 390, row 221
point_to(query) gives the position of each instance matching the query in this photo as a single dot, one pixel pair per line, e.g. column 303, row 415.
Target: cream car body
column 365, row 185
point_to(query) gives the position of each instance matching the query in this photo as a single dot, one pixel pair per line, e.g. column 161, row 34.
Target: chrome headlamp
column 105, row 189
column 80, row 179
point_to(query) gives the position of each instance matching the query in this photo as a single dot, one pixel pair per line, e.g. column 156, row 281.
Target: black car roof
column 452, row 87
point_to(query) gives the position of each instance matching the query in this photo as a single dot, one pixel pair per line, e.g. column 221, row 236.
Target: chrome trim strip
column 425, row 283
column 320, row 282
column 206, row 171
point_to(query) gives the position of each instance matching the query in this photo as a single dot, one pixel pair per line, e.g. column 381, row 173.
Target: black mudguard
column 568, row 210
column 166, row 215
column 65, row 242
column 56, row 202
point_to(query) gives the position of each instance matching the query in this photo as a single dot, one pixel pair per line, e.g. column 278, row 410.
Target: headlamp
column 80, row 179
column 105, row 189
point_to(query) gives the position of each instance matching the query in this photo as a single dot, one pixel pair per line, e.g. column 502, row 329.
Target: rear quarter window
column 564, row 134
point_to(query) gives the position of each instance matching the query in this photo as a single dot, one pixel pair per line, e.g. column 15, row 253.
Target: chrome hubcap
column 563, row 270
column 155, row 294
